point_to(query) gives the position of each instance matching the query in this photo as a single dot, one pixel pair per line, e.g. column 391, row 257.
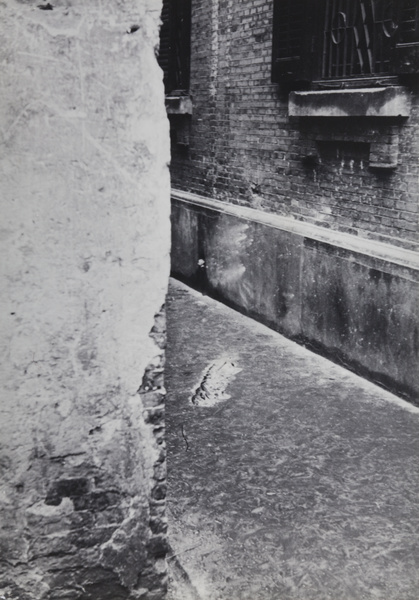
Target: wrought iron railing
column 318, row 40
column 358, row 38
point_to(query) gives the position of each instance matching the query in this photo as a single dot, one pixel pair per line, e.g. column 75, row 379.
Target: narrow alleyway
column 288, row 476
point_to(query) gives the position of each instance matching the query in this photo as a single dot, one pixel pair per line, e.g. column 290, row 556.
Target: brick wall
column 244, row 148
column 84, row 261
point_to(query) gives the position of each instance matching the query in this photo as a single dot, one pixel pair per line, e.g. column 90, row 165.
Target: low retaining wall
column 353, row 300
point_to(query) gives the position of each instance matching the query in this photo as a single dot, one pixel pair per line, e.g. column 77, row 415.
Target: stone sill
column 178, row 105
column 392, row 101
column 386, row 252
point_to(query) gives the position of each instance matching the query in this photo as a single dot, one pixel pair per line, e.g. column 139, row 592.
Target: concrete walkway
column 288, row 476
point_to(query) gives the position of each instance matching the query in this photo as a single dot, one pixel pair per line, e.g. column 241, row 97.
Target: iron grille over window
column 344, row 39
column 174, row 52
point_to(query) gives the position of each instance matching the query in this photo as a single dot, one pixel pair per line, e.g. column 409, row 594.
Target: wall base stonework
column 85, row 239
column 350, row 299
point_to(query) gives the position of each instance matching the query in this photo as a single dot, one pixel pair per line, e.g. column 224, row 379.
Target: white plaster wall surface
column 84, row 259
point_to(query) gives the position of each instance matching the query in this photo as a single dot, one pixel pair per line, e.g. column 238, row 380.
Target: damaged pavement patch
column 214, row 382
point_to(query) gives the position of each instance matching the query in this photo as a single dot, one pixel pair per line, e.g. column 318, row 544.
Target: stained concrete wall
column 353, row 301
column 84, row 260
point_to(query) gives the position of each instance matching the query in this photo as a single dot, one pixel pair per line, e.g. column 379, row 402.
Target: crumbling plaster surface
column 85, row 261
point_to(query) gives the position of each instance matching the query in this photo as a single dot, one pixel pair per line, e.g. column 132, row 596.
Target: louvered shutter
column 181, row 45
column 175, row 45
column 294, row 40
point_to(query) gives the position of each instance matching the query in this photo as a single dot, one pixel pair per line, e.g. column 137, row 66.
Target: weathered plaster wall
column 85, row 260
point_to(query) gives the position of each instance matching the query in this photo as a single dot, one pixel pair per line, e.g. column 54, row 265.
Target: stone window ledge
column 391, row 101
column 178, row 105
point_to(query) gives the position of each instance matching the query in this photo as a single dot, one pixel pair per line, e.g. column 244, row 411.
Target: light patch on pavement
column 214, row 381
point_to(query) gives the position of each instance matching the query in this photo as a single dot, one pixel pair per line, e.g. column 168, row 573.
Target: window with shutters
column 347, row 41
column 174, row 52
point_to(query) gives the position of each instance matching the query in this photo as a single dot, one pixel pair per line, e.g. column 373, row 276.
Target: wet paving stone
column 301, row 483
